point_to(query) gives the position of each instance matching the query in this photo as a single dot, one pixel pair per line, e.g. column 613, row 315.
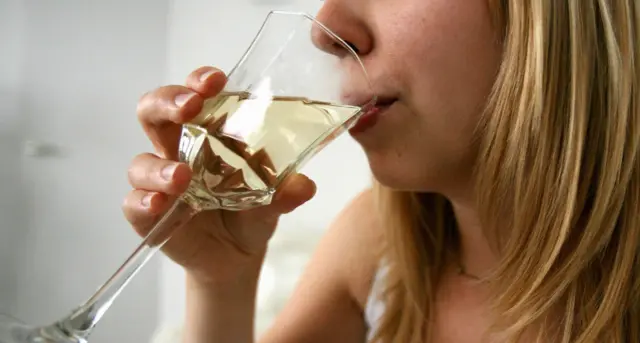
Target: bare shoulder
column 355, row 240
column 348, row 253
column 327, row 304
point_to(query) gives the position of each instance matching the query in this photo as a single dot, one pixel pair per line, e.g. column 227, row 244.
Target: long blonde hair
column 557, row 183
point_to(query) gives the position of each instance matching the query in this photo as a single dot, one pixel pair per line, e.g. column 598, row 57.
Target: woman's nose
column 338, row 17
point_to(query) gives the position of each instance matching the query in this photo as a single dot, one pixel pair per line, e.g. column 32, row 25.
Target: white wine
column 241, row 146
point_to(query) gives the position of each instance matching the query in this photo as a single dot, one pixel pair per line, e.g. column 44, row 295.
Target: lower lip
column 367, row 120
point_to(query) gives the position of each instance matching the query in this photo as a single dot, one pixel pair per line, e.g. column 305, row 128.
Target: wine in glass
column 296, row 88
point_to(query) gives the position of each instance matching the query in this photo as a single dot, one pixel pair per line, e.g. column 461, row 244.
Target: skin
column 438, row 59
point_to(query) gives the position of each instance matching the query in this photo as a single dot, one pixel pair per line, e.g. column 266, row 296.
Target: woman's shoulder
column 357, row 236
column 338, row 276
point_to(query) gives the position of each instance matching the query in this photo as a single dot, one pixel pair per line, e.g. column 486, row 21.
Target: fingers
column 178, row 104
column 141, row 208
column 156, row 183
column 151, row 173
column 163, row 110
column 168, row 104
column 207, row 81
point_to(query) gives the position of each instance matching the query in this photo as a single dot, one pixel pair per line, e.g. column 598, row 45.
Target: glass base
column 14, row 331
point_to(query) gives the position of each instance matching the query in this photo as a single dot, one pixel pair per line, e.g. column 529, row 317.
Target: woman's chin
column 390, row 176
column 399, row 176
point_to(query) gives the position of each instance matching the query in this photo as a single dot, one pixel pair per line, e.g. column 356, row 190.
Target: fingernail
column 206, row 75
column 182, row 99
column 167, row 172
column 146, row 200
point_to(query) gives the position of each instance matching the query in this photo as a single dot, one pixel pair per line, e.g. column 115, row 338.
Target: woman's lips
column 369, row 119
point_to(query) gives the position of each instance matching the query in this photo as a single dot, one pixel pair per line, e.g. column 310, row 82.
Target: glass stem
column 82, row 320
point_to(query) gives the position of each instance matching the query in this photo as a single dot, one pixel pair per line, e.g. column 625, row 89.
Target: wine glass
column 296, row 88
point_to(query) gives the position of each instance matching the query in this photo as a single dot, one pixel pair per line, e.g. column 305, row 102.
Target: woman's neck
column 476, row 256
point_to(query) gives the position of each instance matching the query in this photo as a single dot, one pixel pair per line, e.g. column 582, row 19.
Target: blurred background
column 71, row 73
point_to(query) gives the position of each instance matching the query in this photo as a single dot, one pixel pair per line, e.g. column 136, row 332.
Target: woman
column 507, row 197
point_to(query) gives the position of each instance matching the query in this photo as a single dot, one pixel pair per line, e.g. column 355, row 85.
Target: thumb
column 292, row 193
column 296, row 190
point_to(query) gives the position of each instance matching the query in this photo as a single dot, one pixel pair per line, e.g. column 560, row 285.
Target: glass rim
column 370, row 103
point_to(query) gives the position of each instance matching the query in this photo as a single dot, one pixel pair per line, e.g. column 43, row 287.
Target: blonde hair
column 557, row 183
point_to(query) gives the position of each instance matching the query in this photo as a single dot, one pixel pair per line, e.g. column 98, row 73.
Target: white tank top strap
column 374, row 307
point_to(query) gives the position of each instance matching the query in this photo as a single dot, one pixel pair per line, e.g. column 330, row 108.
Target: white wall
column 205, row 32
column 71, row 72
column 12, row 208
